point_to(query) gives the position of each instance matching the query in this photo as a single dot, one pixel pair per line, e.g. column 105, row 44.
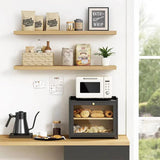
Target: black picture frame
column 103, row 25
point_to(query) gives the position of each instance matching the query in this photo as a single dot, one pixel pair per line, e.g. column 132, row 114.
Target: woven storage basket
column 40, row 59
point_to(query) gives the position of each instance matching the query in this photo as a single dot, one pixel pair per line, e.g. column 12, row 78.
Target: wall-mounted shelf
column 65, row 32
column 6, row 141
column 91, row 68
column 81, row 119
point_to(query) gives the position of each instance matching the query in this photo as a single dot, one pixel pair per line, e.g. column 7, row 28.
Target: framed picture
column 98, row 18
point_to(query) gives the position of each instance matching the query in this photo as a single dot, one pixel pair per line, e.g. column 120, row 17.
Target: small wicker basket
column 40, row 59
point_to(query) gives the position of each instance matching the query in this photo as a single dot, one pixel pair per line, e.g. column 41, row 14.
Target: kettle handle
column 10, row 117
column 34, row 120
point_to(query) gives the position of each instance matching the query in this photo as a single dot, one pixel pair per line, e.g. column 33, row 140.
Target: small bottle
column 56, row 127
column 48, row 48
column 39, row 46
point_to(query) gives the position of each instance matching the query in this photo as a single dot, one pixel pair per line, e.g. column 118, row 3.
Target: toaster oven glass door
column 93, row 119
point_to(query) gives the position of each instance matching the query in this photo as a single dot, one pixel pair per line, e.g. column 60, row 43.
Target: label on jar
column 79, row 25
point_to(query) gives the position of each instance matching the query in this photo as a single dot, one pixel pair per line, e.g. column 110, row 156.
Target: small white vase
column 105, row 61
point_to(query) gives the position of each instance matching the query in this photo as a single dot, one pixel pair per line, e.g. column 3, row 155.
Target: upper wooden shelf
column 81, row 119
column 91, row 68
column 121, row 141
column 65, row 32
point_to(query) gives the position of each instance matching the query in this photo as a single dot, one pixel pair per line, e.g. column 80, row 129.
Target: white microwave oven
column 93, row 87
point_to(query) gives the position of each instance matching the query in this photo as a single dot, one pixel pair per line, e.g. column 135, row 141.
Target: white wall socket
column 39, row 84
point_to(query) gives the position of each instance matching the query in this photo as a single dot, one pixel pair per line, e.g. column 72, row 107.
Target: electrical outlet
column 38, row 84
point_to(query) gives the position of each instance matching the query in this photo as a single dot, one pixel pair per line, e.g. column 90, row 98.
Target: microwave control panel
column 107, row 87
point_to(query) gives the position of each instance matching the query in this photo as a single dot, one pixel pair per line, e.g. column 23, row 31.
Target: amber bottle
column 48, row 48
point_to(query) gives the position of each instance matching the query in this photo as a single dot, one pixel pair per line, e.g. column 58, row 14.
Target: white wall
column 16, row 88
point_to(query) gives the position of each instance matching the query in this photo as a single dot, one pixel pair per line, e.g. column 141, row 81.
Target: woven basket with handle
column 41, row 59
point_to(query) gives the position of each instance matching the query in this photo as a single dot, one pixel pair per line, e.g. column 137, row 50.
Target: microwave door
column 90, row 90
column 89, row 87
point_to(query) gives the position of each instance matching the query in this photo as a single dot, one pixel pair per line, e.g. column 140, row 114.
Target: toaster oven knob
column 93, row 104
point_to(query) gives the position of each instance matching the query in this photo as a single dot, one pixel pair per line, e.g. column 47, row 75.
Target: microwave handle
column 90, row 78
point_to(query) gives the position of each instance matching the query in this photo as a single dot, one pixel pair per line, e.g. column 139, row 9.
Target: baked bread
column 56, row 136
column 85, row 114
column 96, row 129
column 97, row 111
column 81, row 129
column 77, row 111
column 109, row 114
column 86, row 110
column 77, row 115
column 92, row 130
column 97, row 115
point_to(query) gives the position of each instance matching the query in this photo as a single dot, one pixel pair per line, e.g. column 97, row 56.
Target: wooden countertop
column 121, row 141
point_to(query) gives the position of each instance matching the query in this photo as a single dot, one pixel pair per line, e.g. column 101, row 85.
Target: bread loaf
column 97, row 115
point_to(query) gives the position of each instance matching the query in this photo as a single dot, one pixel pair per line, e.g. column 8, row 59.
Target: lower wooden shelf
column 121, row 141
column 94, row 68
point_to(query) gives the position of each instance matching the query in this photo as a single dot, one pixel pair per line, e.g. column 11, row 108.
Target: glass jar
column 78, row 25
column 70, row 26
column 56, row 127
column 39, row 46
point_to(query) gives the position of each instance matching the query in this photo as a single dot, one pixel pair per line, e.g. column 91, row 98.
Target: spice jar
column 56, row 127
column 70, row 26
column 78, row 25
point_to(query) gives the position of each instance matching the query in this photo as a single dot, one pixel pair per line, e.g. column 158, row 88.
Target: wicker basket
column 40, row 59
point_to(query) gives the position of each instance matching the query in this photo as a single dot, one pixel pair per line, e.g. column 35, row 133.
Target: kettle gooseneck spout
column 34, row 121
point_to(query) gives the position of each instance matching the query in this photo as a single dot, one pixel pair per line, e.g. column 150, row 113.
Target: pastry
column 56, row 136
column 76, row 127
column 88, row 110
column 97, row 115
column 85, row 114
column 101, row 129
column 96, row 129
column 77, row 115
column 109, row 114
column 97, row 111
column 77, row 111
column 80, row 129
column 93, row 130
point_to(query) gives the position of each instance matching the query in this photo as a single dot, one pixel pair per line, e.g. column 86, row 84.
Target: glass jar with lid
column 70, row 26
column 56, row 127
column 78, row 25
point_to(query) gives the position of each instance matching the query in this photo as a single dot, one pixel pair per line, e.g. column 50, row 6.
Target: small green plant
column 105, row 52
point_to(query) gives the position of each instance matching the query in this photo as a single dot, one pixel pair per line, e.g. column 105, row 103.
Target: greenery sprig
column 105, row 52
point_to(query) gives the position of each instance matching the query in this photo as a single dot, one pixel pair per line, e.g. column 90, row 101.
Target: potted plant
column 105, row 53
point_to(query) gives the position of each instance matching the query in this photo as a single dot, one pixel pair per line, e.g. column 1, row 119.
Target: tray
column 49, row 138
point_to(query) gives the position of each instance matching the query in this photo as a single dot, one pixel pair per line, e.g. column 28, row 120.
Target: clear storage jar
column 56, row 127
column 70, row 26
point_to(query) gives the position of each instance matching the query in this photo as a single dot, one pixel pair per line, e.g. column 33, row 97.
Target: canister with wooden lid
column 56, row 127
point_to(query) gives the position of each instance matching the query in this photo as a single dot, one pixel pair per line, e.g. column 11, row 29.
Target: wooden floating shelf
column 91, row 68
column 65, row 32
column 93, row 119
column 121, row 141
